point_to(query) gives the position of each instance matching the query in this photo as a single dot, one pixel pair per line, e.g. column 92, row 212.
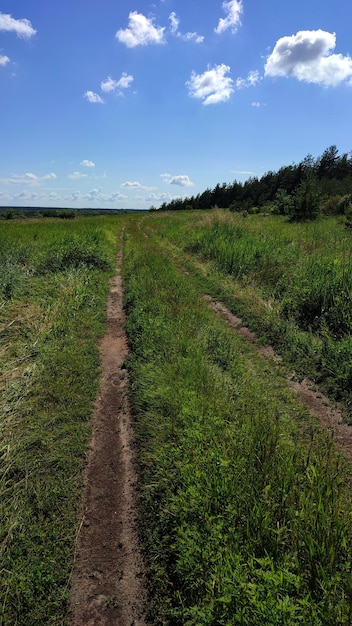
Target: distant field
column 245, row 503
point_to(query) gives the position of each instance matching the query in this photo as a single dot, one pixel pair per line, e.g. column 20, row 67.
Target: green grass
column 52, row 313
column 245, row 504
column 246, row 510
column 292, row 283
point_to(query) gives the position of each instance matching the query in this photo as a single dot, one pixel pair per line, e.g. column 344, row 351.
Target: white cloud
column 27, row 179
column 140, row 32
column 182, row 180
column 23, row 28
column 24, row 179
column 109, row 84
column 252, row 79
column 92, row 97
column 307, row 57
column 87, row 163
column 135, row 185
column 4, row 60
column 157, row 197
column 256, row 104
column 77, row 176
column 97, row 195
column 233, row 8
column 175, row 22
column 132, row 184
column 75, row 196
column 212, row 86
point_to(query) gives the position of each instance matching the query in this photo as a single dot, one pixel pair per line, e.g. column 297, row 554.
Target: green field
column 245, row 503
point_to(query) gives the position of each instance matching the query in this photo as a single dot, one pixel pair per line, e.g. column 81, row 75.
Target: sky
column 116, row 104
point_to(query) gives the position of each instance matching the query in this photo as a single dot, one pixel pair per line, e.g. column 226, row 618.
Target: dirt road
column 108, row 587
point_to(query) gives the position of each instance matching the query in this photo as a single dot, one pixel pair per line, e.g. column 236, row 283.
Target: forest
column 302, row 191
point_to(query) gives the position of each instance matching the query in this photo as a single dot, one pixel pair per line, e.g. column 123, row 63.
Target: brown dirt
column 108, row 585
column 329, row 414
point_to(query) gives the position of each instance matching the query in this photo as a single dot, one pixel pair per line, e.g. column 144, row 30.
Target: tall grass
column 51, row 316
column 303, row 273
column 246, row 514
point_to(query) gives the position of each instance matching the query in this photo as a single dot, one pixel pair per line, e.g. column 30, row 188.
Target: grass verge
column 245, row 503
column 52, row 313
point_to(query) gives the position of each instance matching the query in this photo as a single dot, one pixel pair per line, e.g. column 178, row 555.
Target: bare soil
column 329, row 414
column 108, row 583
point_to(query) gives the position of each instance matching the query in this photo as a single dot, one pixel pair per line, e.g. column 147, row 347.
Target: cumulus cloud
column 252, row 79
column 23, row 28
column 157, row 197
column 75, row 196
column 212, row 86
column 132, row 184
column 92, row 97
column 181, row 179
column 4, row 59
column 234, row 9
column 97, row 195
column 141, row 31
column 307, row 57
column 24, row 179
column 175, row 22
column 29, row 179
column 109, row 84
column 77, row 176
column 87, row 163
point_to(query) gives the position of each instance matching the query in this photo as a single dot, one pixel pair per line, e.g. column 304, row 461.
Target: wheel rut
column 108, row 582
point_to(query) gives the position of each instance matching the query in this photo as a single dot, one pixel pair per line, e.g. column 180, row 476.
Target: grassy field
column 245, row 503
column 53, row 288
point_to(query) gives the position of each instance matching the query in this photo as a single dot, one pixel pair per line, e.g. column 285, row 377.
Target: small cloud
column 77, row 176
column 233, row 8
column 252, row 79
column 32, row 179
column 87, row 163
column 117, row 85
column 50, row 176
column 96, row 195
column 92, row 97
column 307, row 57
column 212, row 86
column 23, row 28
column 132, row 184
column 182, row 180
column 175, row 22
column 257, row 104
column 75, row 196
column 4, row 60
column 140, row 32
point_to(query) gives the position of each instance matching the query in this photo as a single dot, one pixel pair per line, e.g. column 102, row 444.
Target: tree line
column 300, row 191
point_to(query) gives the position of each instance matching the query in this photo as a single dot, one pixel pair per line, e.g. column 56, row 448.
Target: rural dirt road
column 108, row 582
column 108, row 587
column 329, row 415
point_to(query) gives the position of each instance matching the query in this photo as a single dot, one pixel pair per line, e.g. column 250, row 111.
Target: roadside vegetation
column 246, row 509
column 53, row 285
column 291, row 282
column 245, row 505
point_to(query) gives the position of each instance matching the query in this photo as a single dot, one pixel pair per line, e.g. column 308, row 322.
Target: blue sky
column 130, row 104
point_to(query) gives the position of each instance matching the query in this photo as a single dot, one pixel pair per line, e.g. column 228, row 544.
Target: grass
column 292, row 283
column 245, row 504
column 52, row 313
